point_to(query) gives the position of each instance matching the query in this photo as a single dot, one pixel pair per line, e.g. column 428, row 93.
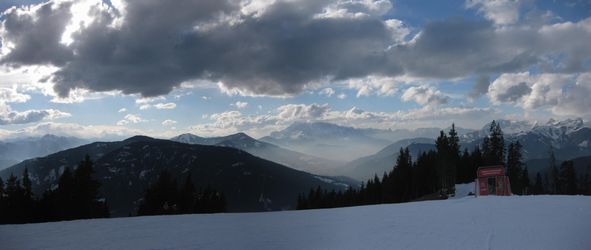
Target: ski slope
column 530, row 222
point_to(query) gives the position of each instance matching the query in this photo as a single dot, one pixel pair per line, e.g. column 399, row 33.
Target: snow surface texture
column 526, row 222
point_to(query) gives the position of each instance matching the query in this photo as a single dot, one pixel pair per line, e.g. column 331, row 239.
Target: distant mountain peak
column 138, row 138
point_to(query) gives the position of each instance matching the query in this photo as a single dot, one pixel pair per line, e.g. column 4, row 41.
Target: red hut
column 491, row 180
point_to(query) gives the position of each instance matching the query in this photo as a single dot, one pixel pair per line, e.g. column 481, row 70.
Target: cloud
column 126, row 49
column 169, row 105
column 480, row 87
column 151, row 47
column 563, row 94
column 239, row 105
column 259, row 125
column 424, row 95
column 373, row 85
column 169, row 122
column 327, row 92
column 10, row 95
column 507, row 88
column 122, row 110
column 130, row 118
column 71, row 129
column 292, row 112
column 34, row 34
column 8, row 116
column 501, row 12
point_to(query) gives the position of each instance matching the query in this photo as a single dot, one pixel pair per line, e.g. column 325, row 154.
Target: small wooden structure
column 491, row 180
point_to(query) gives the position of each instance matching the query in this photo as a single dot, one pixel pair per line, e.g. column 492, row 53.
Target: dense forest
column 164, row 197
column 76, row 196
column 434, row 174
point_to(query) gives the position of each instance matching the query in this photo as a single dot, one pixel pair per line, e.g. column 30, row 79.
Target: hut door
column 492, row 184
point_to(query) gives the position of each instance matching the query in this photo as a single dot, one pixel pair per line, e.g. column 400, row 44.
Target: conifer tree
column 494, row 145
column 538, row 186
column 187, row 196
column 525, row 181
column 553, row 174
column 514, row 167
column 568, row 178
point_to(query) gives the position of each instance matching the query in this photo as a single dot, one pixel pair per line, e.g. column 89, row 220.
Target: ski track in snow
column 526, row 222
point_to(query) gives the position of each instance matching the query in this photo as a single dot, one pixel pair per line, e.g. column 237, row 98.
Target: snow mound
column 513, row 222
column 463, row 190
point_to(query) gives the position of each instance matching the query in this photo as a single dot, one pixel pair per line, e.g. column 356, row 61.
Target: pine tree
column 553, row 175
column 514, row 167
column 494, row 145
column 27, row 184
column 87, row 190
column 568, row 178
column 525, row 181
column 454, row 156
column 538, row 186
column 187, row 196
column 2, row 202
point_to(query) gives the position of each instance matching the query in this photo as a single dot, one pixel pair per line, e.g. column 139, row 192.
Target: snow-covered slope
column 530, row 222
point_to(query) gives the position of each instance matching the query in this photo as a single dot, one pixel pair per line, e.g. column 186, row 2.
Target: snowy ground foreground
column 531, row 222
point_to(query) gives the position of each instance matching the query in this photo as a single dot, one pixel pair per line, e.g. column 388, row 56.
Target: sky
column 115, row 68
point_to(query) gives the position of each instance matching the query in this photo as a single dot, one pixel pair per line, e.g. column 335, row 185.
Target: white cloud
column 424, row 95
column 170, row 105
column 327, row 92
column 169, row 122
column 239, row 105
column 130, row 118
column 373, row 85
column 122, row 110
column 260, row 125
column 71, row 129
column 562, row 94
column 501, row 12
column 8, row 95
column 145, row 100
column 292, row 112
column 8, row 116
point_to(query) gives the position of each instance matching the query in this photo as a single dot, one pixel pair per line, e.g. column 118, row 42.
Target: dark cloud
column 275, row 51
column 514, row 93
column 480, row 87
column 37, row 37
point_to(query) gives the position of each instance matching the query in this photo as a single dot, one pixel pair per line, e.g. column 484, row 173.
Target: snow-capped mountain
column 15, row 150
column 568, row 138
column 267, row 151
column 508, row 127
column 125, row 169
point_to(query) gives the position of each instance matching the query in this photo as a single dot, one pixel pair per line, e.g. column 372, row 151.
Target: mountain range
column 16, row 150
column 269, row 173
column 267, row 151
column 126, row 168
column 568, row 139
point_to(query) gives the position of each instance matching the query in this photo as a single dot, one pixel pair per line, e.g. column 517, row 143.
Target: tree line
column 434, row 174
column 165, row 197
column 74, row 197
